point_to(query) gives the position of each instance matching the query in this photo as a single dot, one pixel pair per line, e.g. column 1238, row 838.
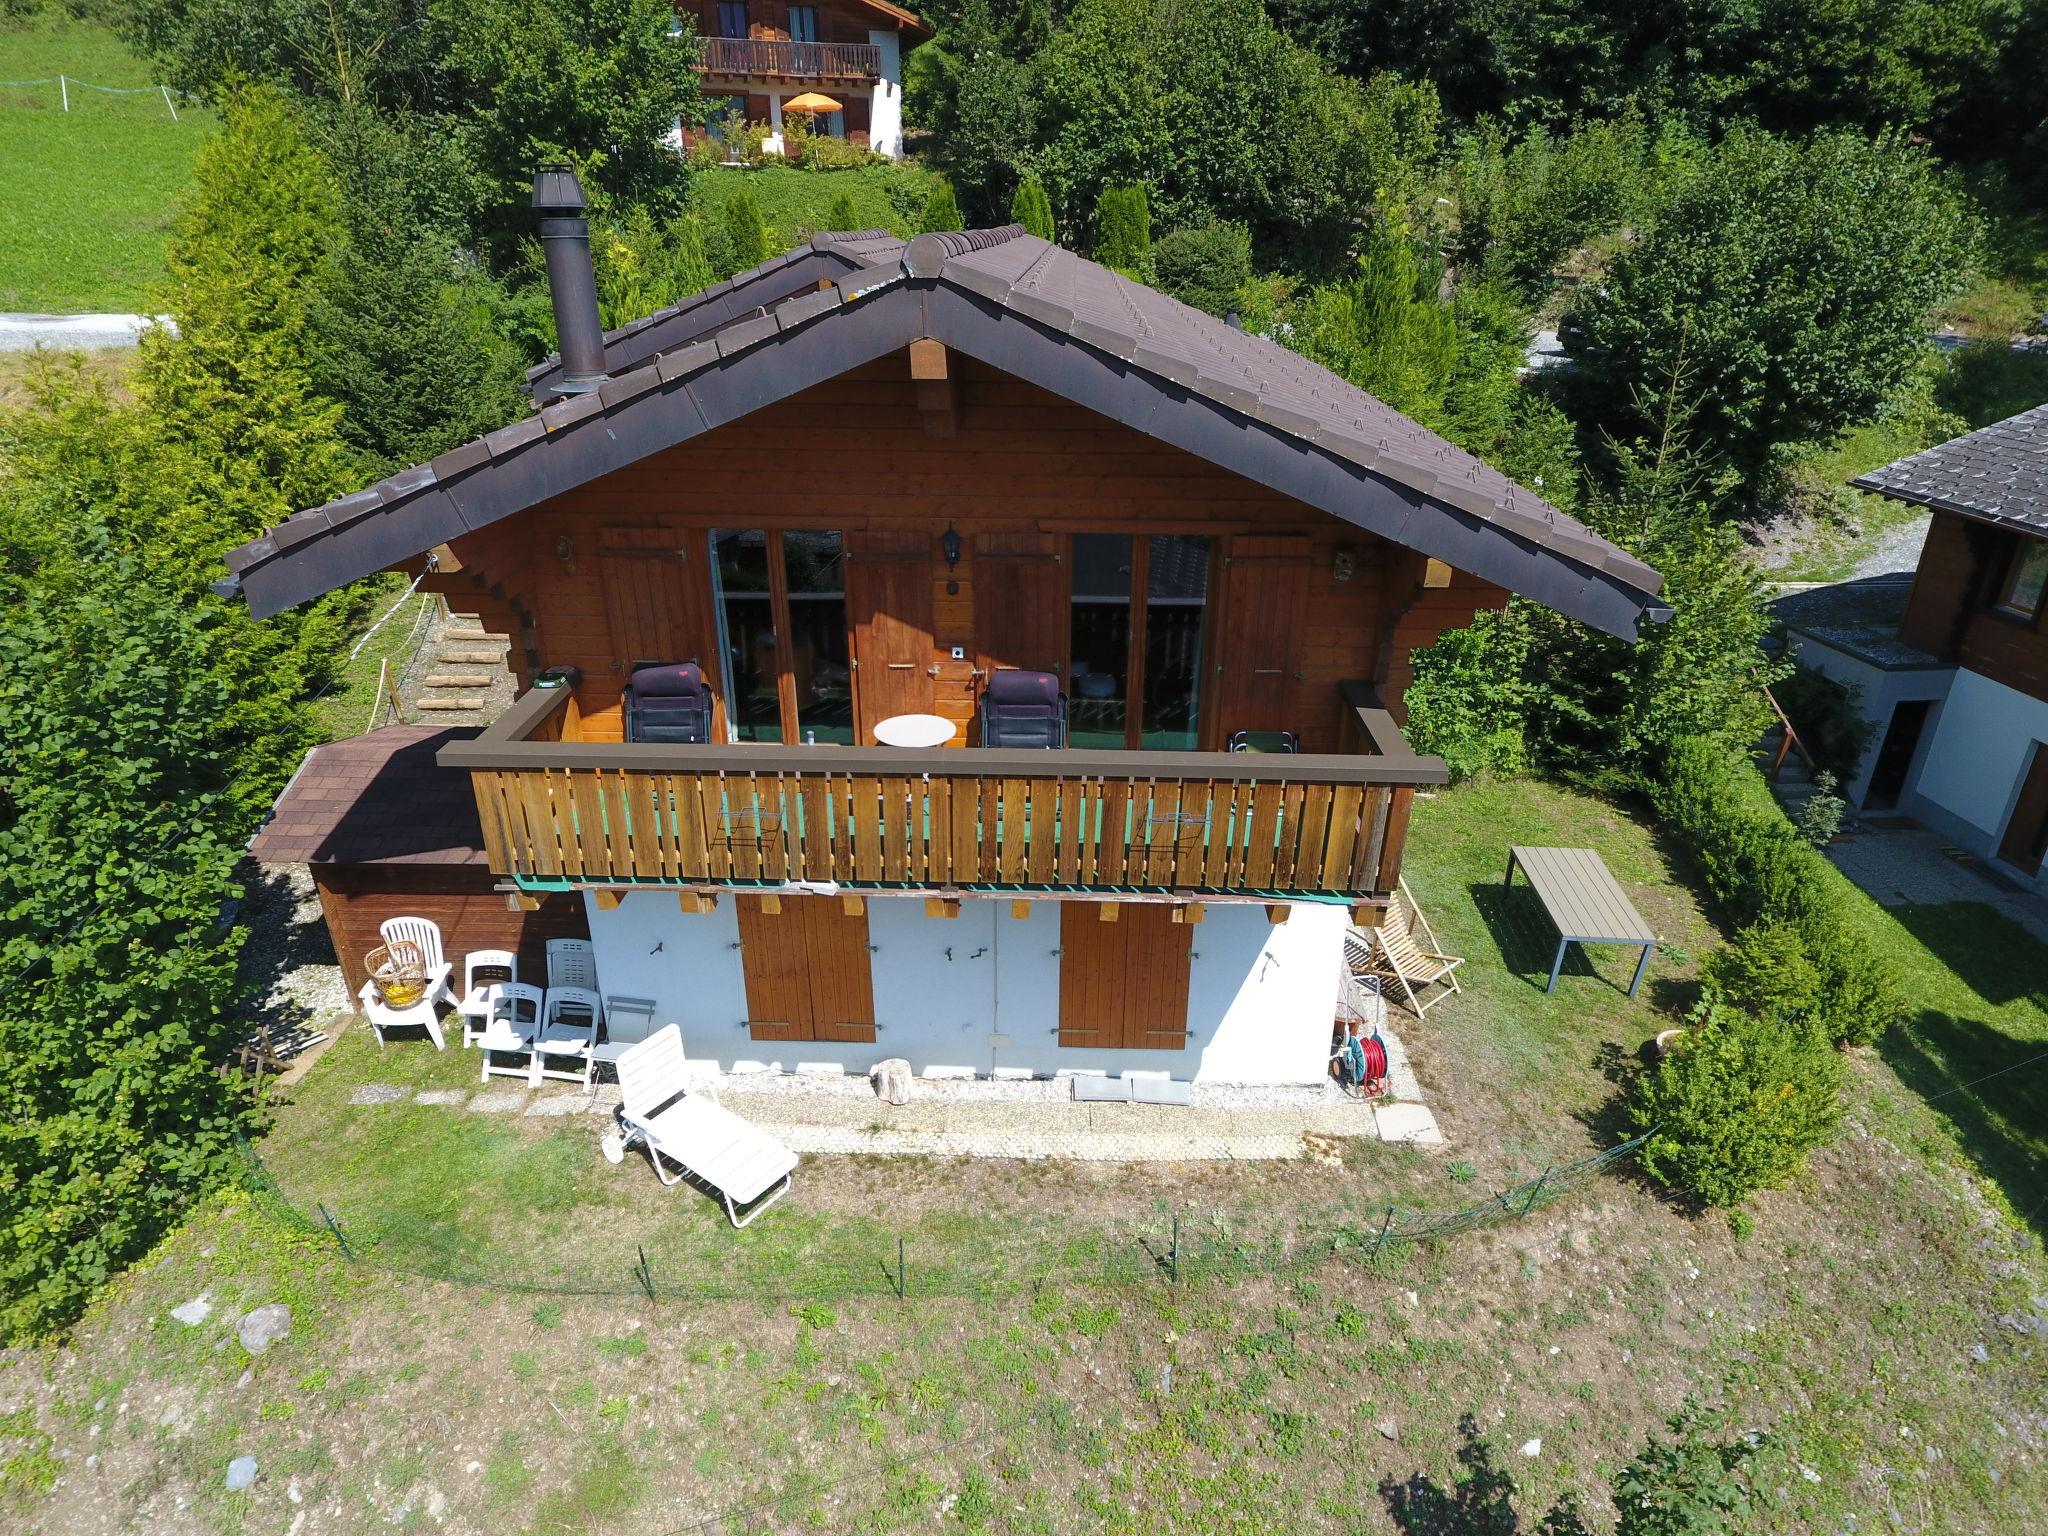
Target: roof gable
column 1016, row 303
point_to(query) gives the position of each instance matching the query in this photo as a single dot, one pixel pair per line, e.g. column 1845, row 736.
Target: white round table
column 915, row 731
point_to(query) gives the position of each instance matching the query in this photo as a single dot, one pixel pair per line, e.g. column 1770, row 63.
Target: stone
column 260, row 1329
column 1389, row 1429
column 1979, row 1353
column 241, row 1473
column 892, row 1080
column 248, row 1375
column 194, row 1312
column 500, row 1101
column 1533, row 1447
column 1411, row 1123
column 377, row 1093
column 448, row 1096
column 291, row 1491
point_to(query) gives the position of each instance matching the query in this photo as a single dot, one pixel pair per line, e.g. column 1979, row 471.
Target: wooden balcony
column 771, row 58
column 557, row 811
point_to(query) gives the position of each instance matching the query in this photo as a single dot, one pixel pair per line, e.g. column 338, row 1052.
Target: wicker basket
column 399, row 973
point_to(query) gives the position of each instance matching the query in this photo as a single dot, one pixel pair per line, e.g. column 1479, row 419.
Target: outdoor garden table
column 1584, row 902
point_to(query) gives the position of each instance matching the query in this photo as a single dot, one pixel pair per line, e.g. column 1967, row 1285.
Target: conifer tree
column 1032, row 208
column 941, row 210
column 746, row 236
column 1123, row 231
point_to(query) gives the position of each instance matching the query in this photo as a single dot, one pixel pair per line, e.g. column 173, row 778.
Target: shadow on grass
column 1985, row 1081
column 1527, row 940
column 1480, row 1500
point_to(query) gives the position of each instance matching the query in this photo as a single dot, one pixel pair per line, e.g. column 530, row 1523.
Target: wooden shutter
column 889, row 611
column 836, row 957
column 1265, row 590
column 1124, row 984
column 772, row 956
column 1021, row 603
column 657, row 588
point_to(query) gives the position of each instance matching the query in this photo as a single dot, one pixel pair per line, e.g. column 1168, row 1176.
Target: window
column 2026, row 578
column 803, row 23
column 793, row 627
column 732, row 19
column 1137, row 603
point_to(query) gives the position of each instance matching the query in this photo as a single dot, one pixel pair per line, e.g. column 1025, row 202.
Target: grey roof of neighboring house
column 1998, row 473
column 1017, row 303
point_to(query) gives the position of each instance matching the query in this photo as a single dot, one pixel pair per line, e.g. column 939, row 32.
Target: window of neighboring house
column 2026, row 579
column 803, row 23
column 725, row 117
column 732, row 19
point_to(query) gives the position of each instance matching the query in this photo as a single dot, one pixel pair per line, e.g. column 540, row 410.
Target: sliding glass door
column 1135, row 639
column 781, row 602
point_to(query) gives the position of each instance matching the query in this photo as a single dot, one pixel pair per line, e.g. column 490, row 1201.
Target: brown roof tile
column 376, row 799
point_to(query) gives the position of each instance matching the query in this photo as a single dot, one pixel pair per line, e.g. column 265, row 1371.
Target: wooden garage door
column 1124, row 984
column 807, row 971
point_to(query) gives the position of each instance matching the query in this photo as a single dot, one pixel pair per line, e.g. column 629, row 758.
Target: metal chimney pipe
column 572, row 286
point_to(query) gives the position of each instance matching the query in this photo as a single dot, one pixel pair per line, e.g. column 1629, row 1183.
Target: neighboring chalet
column 752, row 57
column 980, row 485
column 1953, row 667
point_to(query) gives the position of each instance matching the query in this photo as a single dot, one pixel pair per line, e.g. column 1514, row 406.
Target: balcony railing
column 780, row 57
column 1212, row 823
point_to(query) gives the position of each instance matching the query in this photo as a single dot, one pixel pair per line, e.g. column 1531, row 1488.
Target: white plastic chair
column 707, row 1141
column 427, row 934
column 481, row 970
column 572, row 963
column 512, row 1013
column 569, row 1022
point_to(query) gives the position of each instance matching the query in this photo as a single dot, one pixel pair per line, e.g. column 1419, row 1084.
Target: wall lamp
column 949, row 546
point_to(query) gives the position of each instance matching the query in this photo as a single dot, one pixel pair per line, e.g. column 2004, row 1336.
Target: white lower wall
column 885, row 106
column 1883, row 690
column 1971, row 774
column 979, row 993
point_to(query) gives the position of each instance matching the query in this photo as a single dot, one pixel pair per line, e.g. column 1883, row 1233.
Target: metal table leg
column 1557, row 965
column 1642, row 965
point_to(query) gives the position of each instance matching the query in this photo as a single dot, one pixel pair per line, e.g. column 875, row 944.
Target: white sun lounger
column 709, row 1142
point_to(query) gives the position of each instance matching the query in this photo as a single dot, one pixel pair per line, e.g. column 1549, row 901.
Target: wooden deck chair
column 708, row 1142
column 1392, row 949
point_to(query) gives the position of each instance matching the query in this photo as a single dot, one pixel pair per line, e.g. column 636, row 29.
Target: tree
column 1206, row 267
column 1789, row 283
column 941, row 211
column 971, row 87
column 1032, row 208
column 1123, row 231
column 842, row 216
column 1384, row 329
column 746, row 236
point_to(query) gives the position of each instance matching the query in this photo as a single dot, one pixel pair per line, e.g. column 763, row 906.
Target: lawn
column 89, row 193
column 1043, row 1373
column 796, row 203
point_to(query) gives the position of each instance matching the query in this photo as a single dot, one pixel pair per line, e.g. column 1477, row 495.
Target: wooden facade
column 619, row 570
column 1957, row 610
column 463, row 899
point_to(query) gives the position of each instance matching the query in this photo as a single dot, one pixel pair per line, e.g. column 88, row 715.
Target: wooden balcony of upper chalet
column 559, row 812
column 781, row 58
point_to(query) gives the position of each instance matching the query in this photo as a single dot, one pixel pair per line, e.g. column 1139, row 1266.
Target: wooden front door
column 658, row 603
column 1265, row 589
column 806, row 968
column 2026, row 833
column 1124, row 984
column 889, row 611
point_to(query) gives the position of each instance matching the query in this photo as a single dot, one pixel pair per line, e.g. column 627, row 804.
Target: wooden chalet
column 860, row 482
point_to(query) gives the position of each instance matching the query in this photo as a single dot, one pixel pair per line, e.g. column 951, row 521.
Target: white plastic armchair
column 563, row 1046
column 708, row 1142
column 427, row 934
column 481, row 970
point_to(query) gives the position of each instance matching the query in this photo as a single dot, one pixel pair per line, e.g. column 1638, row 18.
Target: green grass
column 88, row 194
column 784, row 1392
column 347, row 707
column 796, row 203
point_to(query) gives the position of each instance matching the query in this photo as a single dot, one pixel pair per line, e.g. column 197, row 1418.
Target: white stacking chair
column 512, row 1015
column 481, row 970
column 569, row 1021
column 427, row 935
column 707, row 1141
column 572, row 963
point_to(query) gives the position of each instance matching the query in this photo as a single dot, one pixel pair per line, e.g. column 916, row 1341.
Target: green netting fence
column 792, row 1255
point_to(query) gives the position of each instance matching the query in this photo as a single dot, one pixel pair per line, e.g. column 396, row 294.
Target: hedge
column 1764, row 873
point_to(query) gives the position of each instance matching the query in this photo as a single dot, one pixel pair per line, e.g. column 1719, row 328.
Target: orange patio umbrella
column 811, row 101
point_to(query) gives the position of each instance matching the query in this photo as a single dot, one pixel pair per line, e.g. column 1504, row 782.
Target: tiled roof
column 376, row 799
column 1018, row 303
column 1999, row 473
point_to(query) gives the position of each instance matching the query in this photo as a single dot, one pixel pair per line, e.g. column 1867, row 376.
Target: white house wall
column 978, row 994
column 885, row 107
column 1982, row 745
column 1882, row 691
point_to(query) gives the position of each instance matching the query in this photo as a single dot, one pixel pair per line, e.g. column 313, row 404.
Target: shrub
column 1820, row 818
column 842, row 215
column 1738, row 1104
column 1032, row 208
column 1689, row 1486
column 1767, row 972
column 823, row 152
column 1206, row 266
column 941, row 210
column 1123, row 230
column 1760, row 868
column 746, row 236
column 1828, row 717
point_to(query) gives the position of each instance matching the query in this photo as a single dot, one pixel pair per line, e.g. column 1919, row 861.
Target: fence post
column 1380, row 1241
column 899, row 1266
column 64, row 91
column 167, row 102
column 1530, row 1204
column 644, row 1274
column 335, row 1227
column 1173, row 1255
